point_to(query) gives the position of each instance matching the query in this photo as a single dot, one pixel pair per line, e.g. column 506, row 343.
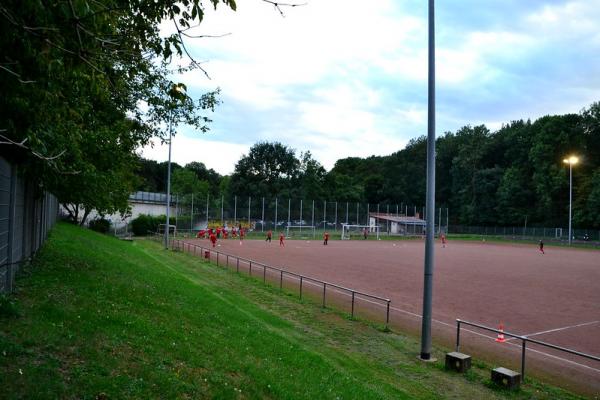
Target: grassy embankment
column 101, row 318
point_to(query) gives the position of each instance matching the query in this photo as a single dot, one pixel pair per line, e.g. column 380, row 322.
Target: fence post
column 217, row 258
column 352, row 313
column 387, row 315
column 524, row 340
column 300, row 287
column 281, row 280
column 264, row 274
column 250, row 270
column 237, row 268
column 457, row 335
column 227, row 261
column 324, row 289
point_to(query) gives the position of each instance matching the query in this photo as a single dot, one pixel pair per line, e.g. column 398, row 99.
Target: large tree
column 82, row 77
column 269, row 169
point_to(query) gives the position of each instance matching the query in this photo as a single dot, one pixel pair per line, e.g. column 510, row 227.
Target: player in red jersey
column 281, row 238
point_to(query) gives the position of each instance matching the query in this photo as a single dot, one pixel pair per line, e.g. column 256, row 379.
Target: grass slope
column 102, row 318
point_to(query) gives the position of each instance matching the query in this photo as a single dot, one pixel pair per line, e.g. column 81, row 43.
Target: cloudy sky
column 347, row 78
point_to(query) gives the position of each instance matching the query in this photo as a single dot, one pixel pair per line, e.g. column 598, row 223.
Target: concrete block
column 507, row 378
column 458, row 361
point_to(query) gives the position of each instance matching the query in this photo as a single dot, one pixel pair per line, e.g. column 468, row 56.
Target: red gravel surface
column 488, row 283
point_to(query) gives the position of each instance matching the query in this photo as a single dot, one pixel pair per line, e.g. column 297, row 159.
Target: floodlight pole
column 169, row 183
column 429, row 254
column 570, row 200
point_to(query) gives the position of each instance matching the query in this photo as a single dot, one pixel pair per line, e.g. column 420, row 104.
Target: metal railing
column 281, row 273
column 524, row 340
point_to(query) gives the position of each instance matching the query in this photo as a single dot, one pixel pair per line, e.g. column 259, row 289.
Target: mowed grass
column 99, row 318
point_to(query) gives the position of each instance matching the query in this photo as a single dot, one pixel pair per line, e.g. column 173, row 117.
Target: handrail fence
column 303, row 279
column 524, row 340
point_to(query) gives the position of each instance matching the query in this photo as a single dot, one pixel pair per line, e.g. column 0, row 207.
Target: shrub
column 100, row 225
column 148, row 223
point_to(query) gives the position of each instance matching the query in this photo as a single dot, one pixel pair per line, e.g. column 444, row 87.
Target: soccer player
column 213, row 239
column 325, row 238
column 443, row 237
column 542, row 247
column 269, row 235
column 281, row 237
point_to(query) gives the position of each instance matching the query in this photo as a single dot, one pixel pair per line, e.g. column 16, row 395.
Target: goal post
column 358, row 231
column 299, row 231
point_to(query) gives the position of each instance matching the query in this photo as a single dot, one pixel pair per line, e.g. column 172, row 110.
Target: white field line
column 557, row 329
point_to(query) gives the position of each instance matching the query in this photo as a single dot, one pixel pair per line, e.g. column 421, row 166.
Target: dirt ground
column 552, row 297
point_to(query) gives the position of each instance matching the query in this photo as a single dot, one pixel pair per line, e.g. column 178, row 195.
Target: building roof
column 401, row 219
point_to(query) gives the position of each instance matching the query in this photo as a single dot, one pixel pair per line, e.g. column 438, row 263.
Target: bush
column 100, row 225
column 148, row 223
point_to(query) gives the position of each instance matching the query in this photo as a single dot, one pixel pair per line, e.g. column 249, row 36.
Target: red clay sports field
column 552, row 297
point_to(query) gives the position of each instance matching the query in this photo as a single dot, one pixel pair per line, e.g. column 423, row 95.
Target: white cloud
column 218, row 155
column 349, row 78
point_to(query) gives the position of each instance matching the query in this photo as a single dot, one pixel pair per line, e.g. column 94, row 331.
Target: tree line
column 485, row 178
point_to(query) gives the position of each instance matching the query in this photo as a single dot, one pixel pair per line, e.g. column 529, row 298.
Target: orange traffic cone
column 500, row 338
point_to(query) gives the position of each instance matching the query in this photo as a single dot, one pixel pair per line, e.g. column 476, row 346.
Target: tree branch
column 278, row 5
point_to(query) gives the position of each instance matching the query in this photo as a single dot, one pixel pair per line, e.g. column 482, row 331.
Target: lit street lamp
column 176, row 89
column 572, row 160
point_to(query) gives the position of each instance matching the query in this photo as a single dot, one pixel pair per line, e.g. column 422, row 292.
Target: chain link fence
column 26, row 216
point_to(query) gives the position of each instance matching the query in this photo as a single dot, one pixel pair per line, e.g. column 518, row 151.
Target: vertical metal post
column 217, row 258
column 235, row 210
column 387, row 223
column 570, row 199
column 275, row 224
column 222, row 221
column 227, row 261
column 250, row 269
column 264, row 274
column 249, row 202
column 357, row 220
column 440, row 222
column 300, row 215
column 176, row 211
column 237, row 268
column 169, row 185
column 324, row 215
column 313, row 217
column 368, row 211
column 324, row 289
column 346, row 213
column 387, row 315
column 300, row 287
column 429, row 242
column 192, row 216
column 335, row 222
column 289, row 210
column 352, row 313
column 448, row 227
column 396, row 210
column 457, row 335
column 523, row 348
column 262, row 224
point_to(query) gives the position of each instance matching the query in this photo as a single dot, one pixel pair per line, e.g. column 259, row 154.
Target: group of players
column 216, row 233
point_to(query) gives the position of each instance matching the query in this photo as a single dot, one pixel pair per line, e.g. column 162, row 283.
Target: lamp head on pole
column 572, row 160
